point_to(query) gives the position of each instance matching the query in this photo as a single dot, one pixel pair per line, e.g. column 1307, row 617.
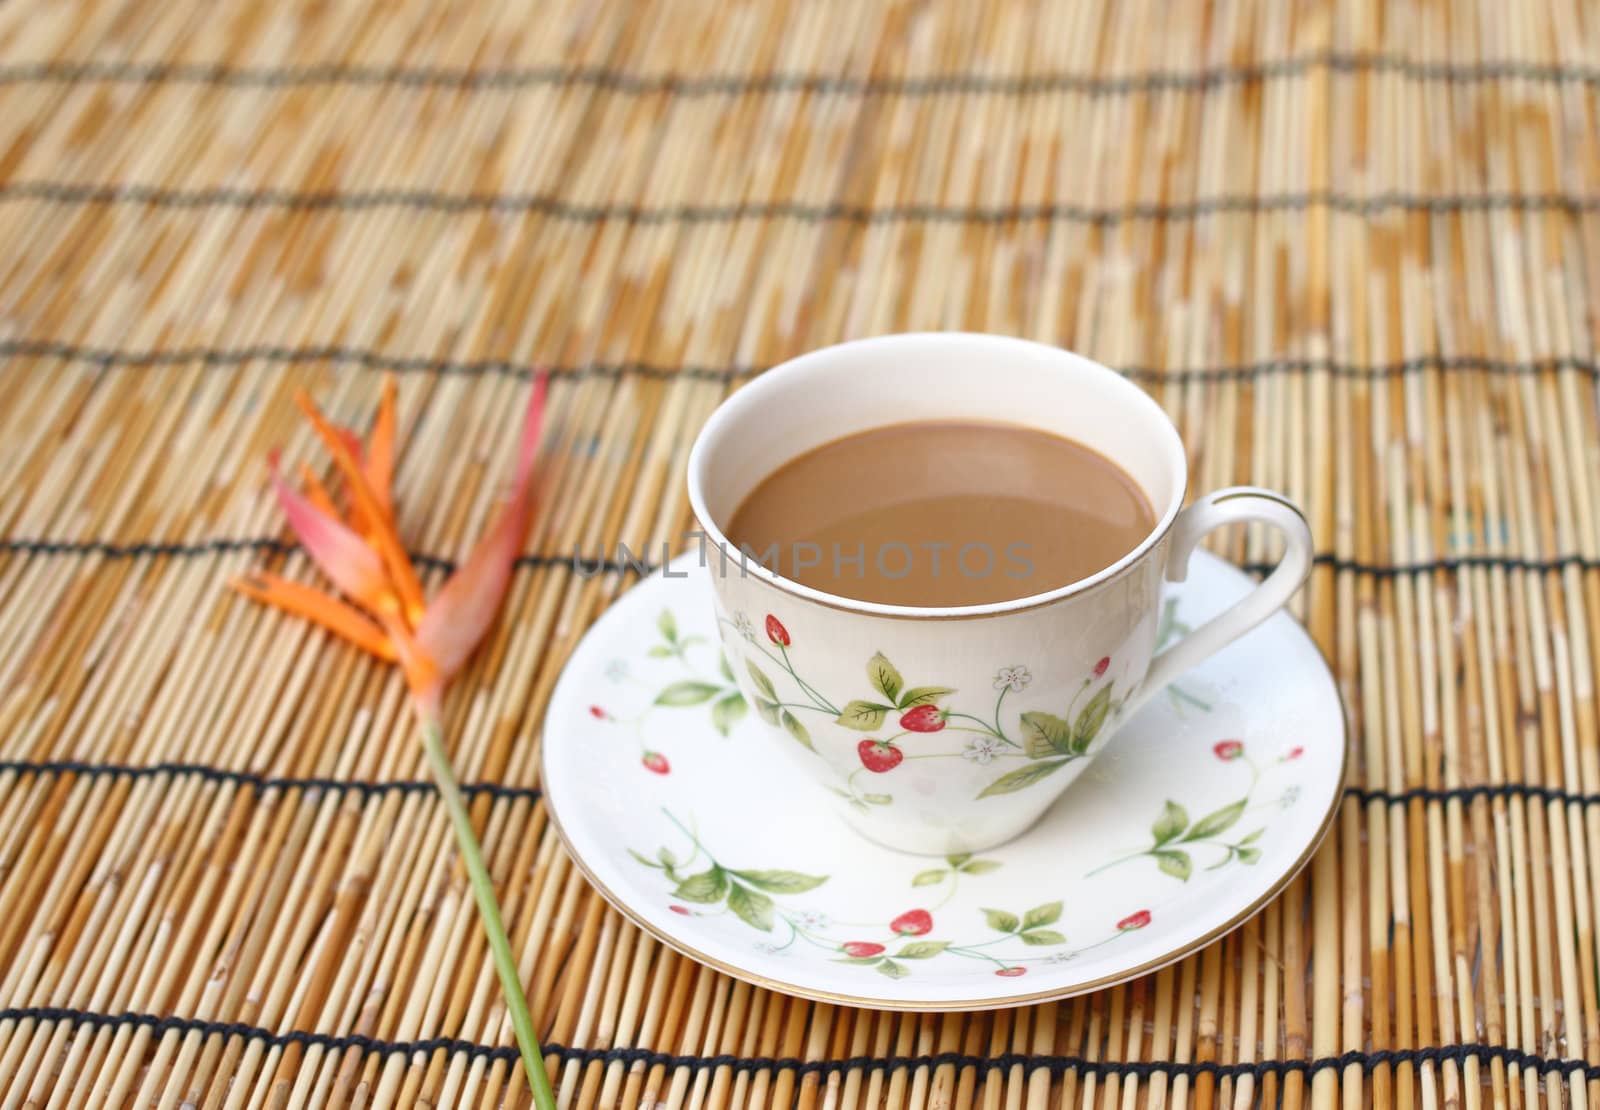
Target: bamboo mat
column 1354, row 248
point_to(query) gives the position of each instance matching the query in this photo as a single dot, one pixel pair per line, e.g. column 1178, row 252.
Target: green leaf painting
column 885, row 678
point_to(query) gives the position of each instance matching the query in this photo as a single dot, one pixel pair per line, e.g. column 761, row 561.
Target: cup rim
column 735, row 405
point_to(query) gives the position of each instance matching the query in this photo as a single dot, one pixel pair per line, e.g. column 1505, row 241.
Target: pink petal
column 462, row 611
column 465, row 607
column 340, row 553
column 529, row 447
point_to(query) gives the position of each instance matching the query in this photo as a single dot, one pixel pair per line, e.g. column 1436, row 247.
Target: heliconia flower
column 384, row 612
column 776, row 632
column 365, row 559
column 1100, row 667
column 1134, row 921
column 1228, row 749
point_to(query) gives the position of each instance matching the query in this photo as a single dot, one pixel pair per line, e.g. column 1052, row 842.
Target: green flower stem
column 987, row 729
column 967, row 950
column 959, row 755
column 1151, row 853
column 819, row 703
column 794, row 933
column 998, row 731
column 1178, row 693
column 984, row 731
column 816, row 940
column 1072, row 706
column 982, row 943
column 1115, row 862
column 962, row 754
column 1102, row 940
column 693, row 839
column 505, row 962
column 954, row 880
column 822, row 702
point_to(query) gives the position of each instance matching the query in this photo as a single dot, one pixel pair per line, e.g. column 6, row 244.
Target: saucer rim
column 997, row 1002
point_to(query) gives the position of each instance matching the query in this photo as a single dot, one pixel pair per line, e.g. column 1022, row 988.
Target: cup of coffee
column 937, row 562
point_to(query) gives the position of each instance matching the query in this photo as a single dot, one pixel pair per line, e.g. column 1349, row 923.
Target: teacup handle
column 1228, row 506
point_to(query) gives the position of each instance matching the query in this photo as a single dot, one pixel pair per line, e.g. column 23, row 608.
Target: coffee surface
column 942, row 513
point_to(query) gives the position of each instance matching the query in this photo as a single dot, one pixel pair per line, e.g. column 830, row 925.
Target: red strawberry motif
column 776, row 632
column 924, row 718
column 879, row 755
column 655, row 761
column 1228, row 749
column 1134, row 921
column 597, row 713
column 1294, row 753
column 680, row 909
column 1100, row 667
column 1012, row 972
column 861, row 949
column 912, row 923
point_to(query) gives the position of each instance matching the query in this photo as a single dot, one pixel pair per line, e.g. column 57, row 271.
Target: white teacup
column 1003, row 705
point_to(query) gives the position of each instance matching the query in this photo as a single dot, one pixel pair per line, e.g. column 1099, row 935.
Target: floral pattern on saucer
column 717, row 690
column 1204, row 804
column 766, row 900
column 1176, row 837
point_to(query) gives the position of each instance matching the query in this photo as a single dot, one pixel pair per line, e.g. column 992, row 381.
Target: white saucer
column 670, row 800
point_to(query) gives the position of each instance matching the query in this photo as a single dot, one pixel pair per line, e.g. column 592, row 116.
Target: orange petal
column 341, row 554
column 379, row 463
column 316, row 492
column 331, row 613
column 382, row 533
column 352, row 442
column 465, row 607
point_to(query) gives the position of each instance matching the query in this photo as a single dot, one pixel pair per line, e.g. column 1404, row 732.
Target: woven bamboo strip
column 1182, row 189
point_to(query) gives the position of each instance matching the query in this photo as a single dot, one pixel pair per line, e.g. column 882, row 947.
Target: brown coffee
column 942, row 513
